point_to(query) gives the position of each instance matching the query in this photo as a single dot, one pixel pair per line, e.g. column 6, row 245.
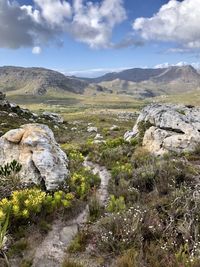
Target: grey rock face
column 34, row 146
column 168, row 127
column 53, row 117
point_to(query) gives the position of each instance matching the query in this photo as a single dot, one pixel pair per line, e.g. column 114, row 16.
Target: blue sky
column 90, row 39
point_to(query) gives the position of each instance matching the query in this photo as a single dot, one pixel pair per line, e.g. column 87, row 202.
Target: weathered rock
column 114, row 128
column 168, row 127
column 92, row 129
column 53, row 117
column 2, row 96
column 98, row 139
column 34, row 146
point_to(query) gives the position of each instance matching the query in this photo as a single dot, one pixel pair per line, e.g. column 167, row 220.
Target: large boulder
column 34, row 146
column 167, row 127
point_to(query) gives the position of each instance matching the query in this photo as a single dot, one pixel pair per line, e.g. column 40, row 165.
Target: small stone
column 92, row 129
column 114, row 128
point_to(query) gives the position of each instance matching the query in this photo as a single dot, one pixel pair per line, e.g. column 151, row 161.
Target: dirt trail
column 51, row 252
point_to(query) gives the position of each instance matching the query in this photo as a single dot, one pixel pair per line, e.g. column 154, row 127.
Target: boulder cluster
column 167, row 127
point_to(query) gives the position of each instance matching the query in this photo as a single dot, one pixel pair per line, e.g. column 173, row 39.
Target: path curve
column 51, row 252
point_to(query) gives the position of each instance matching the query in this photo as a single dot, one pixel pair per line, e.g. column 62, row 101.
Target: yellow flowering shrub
column 76, row 160
column 82, row 181
column 28, row 202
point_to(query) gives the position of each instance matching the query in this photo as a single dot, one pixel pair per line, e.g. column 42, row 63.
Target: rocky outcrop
column 2, row 96
column 56, row 118
column 34, row 146
column 167, row 127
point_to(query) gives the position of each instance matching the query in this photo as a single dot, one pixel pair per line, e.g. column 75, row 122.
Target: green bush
column 70, row 263
column 27, row 203
column 82, row 181
column 116, row 204
column 11, row 168
column 120, row 171
column 79, row 243
column 95, row 208
column 9, row 178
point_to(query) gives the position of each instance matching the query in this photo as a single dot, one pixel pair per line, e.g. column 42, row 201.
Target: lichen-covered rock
column 167, row 127
column 34, row 146
column 56, row 118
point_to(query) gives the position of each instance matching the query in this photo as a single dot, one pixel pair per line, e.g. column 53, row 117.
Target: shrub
column 82, row 181
column 144, row 179
column 69, row 263
column 128, row 259
column 120, row 231
column 113, row 143
column 95, row 208
column 116, row 204
column 124, row 188
column 18, row 247
column 122, row 171
column 9, row 179
column 78, row 244
column 141, row 157
column 76, row 160
column 143, row 126
column 11, row 168
column 27, row 203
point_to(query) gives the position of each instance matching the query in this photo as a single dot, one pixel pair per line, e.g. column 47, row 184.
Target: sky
column 89, row 38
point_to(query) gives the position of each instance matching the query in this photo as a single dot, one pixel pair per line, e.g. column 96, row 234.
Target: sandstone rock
column 168, row 127
column 34, row 146
column 114, row 128
column 92, row 129
column 53, row 117
column 98, row 139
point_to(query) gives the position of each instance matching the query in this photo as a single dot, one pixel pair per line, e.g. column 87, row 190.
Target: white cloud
column 36, row 50
column 30, row 25
column 176, row 22
column 93, row 73
column 53, row 11
column 93, row 23
column 195, row 65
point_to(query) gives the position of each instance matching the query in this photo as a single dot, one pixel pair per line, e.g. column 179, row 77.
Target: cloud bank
column 176, row 21
column 195, row 65
column 45, row 20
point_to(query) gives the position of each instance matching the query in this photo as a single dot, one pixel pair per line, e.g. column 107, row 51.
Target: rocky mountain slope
column 38, row 81
column 144, row 83
column 140, row 83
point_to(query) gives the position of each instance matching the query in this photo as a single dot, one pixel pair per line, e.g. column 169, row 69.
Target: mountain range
column 138, row 82
column 150, row 82
column 38, row 81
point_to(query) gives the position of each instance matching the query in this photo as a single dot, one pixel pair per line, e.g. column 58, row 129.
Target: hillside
column 38, row 81
column 143, row 83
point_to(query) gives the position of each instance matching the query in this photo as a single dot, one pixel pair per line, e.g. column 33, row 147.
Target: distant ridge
column 137, row 82
column 143, row 83
column 141, row 75
column 37, row 81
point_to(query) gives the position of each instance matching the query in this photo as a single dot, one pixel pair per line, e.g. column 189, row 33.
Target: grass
column 70, row 263
column 147, row 186
column 78, row 244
